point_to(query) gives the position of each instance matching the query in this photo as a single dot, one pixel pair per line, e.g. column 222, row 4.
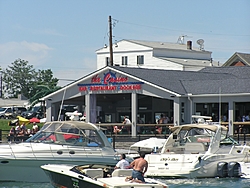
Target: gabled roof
column 237, row 56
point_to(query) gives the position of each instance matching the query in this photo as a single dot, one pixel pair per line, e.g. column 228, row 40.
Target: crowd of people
column 20, row 133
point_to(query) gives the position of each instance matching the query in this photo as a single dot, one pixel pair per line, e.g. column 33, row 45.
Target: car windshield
column 35, row 108
column 2, row 109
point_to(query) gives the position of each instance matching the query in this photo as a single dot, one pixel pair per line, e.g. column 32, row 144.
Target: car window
column 2, row 109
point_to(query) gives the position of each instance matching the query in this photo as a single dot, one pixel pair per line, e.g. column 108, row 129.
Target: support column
column 230, row 117
column 133, row 113
column 176, row 111
column 48, row 111
column 87, row 107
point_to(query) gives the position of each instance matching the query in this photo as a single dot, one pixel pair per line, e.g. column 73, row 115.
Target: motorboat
column 150, row 145
column 95, row 176
column 199, row 150
column 57, row 142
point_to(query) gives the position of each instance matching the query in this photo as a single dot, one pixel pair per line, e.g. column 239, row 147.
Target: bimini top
column 212, row 127
column 70, row 133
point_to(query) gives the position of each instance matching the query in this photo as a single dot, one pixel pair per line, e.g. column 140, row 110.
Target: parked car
column 4, row 110
column 36, row 111
column 15, row 111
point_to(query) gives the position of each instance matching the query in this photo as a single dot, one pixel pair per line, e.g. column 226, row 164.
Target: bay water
column 172, row 183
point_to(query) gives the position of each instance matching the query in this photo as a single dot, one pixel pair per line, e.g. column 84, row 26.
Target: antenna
column 201, row 43
column 181, row 39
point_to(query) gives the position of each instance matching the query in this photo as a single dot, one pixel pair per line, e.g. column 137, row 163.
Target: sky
column 63, row 35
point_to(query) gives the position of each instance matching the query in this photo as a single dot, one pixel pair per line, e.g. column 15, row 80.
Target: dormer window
column 124, row 60
column 140, row 60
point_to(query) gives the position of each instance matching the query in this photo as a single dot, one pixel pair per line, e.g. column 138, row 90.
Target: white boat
column 58, row 142
column 94, row 177
column 199, row 150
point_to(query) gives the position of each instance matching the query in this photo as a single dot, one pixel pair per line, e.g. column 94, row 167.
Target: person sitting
column 123, row 163
column 12, row 134
column 35, row 129
column 140, row 167
column 116, row 130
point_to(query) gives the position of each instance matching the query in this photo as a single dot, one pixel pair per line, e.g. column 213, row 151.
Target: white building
column 156, row 55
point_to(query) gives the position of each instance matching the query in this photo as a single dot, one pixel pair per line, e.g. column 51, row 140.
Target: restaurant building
column 112, row 92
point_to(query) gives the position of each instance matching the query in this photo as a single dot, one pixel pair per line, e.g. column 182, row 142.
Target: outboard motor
column 234, row 169
column 222, row 169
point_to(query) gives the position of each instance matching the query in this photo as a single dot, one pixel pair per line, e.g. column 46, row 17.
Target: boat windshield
column 68, row 134
column 226, row 139
column 196, row 135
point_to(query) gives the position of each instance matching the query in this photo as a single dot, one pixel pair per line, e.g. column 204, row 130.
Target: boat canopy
column 200, row 126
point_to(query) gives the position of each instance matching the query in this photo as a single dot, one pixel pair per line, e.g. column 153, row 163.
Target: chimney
column 189, row 45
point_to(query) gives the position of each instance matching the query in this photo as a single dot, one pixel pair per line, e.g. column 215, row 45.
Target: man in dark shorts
column 140, row 167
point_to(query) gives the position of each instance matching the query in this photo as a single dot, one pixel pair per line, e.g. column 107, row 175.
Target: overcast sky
column 64, row 35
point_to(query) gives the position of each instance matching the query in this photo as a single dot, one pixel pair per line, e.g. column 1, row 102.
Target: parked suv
column 16, row 111
column 36, row 111
column 4, row 110
column 11, row 112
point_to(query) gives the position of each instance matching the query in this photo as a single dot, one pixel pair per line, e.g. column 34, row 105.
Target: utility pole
column 110, row 42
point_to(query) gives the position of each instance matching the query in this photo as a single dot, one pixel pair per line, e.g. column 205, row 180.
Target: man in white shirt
column 126, row 120
column 123, row 163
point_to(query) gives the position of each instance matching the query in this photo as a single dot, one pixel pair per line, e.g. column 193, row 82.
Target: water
column 173, row 183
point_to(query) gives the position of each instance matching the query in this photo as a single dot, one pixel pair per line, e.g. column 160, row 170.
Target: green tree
column 18, row 78
column 21, row 78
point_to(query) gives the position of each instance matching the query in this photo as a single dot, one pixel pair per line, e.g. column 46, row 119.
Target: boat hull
column 59, row 180
column 191, row 165
column 66, row 176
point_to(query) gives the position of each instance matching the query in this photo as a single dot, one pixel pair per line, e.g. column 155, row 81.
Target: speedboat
column 58, row 142
column 199, row 150
column 94, row 176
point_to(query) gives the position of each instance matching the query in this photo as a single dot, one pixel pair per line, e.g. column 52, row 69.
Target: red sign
column 110, row 82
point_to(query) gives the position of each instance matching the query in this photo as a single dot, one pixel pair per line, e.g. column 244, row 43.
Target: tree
column 18, row 78
column 21, row 78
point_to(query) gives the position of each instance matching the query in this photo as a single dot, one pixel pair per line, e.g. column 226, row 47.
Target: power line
column 168, row 29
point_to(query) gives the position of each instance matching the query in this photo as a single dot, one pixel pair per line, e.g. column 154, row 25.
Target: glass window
column 140, row 60
column 124, row 60
column 107, row 61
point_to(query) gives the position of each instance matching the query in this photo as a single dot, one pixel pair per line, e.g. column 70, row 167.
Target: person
column 17, row 128
column 127, row 121
column 123, row 163
column 12, row 134
column 140, row 167
column 116, row 130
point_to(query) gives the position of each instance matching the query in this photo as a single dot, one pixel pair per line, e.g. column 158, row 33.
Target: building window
column 107, row 61
column 140, row 60
column 124, row 60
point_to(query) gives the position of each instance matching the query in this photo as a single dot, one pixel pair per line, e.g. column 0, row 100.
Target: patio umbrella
column 23, row 120
column 34, row 120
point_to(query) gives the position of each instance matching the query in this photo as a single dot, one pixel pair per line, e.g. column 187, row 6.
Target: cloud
column 29, row 51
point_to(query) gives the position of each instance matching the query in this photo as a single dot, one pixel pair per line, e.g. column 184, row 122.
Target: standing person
column 140, row 167
column 123, row 163
column 127, row 121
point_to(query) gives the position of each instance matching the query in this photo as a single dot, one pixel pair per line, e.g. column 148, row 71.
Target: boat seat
column 93, row 173
column 194, row 147
column 122, row 172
